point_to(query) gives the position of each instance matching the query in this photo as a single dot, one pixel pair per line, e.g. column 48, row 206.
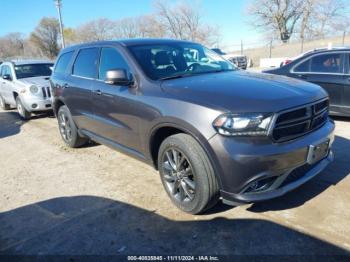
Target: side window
column 63, row 61
column 327, row 63
column 6, row 70
column 110, row 59
column 85, row 64
column 303, row 67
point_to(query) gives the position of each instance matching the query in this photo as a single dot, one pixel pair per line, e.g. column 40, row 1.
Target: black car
column 211, row 130
column 329, row 68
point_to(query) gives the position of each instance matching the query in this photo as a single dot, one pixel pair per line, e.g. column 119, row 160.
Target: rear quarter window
column 63, row 62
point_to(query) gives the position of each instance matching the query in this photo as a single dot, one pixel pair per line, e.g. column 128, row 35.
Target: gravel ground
column 93, row 200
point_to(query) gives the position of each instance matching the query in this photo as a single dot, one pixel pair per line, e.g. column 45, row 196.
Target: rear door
column 326, row 70
column 78, row 87
column 346, row 96
column 115, row 109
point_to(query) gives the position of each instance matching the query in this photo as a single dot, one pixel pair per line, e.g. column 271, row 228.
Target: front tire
column 187, row 174
column 23, row 113
column 68, row 129
column 3, row 104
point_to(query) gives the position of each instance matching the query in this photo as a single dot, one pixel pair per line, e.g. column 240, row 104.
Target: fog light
column 34, row 106
column 260, row 185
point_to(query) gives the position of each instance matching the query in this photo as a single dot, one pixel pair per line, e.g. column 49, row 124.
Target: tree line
column 180, row 20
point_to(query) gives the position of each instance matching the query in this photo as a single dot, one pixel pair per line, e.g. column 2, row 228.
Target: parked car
column 25, row 86
column 211, row 130
column 240, row 61
column 328, row 68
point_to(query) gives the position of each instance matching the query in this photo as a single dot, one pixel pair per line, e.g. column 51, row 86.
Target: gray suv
column 211, row 130
column 24, row 85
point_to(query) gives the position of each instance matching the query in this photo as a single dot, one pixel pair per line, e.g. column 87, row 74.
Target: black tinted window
column 111, row 59
column 303, row 67
column 86, row 63
column 63, row 61
column 327, row 63
column 33, row 70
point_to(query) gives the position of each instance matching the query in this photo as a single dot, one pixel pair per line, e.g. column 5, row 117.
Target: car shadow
column 332, row 175
column 89, row 225
column 10, row 124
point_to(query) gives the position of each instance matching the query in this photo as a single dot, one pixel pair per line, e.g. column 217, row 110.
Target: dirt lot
column 55, row 200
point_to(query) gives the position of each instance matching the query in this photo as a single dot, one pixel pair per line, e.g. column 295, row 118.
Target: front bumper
column 243, row 161
column 35, row 104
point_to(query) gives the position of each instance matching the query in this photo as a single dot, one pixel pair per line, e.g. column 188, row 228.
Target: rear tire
column 3, row 104
column 68, row 129
column 187, row 174
column 23, row 113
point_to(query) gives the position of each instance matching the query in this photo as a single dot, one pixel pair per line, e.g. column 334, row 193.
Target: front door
column 326, row 70
column 7, row 86
column 114, row 106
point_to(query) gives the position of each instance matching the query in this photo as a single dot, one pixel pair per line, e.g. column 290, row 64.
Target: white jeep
column 24, row 84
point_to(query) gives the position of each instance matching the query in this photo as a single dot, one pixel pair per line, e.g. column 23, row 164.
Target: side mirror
column 7, row 77
column 118, row 77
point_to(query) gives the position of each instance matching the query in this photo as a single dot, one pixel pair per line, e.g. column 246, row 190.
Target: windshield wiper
column 174, row 77
column 194, row 74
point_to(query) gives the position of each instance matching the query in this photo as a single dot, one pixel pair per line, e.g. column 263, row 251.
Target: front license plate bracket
column 318, row 152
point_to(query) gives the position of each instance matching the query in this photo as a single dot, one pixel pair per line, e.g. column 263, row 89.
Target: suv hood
column 40, row 81
column 241, row 91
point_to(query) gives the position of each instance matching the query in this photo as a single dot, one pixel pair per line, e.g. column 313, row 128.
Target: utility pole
column 58, row 4
column 241, row 47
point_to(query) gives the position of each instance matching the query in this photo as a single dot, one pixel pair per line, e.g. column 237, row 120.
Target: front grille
column 46, row 92
column 298, row 173
column 295, row 123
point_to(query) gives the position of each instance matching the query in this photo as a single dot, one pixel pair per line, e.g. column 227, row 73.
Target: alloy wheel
column 65, row 127
column 20, row 109
column 178, row 175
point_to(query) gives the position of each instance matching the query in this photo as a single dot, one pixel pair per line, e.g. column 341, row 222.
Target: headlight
column 243, row 124
column 34, row 89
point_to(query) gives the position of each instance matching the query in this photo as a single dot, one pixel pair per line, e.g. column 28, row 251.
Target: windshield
column 172, row 60
column 33, row 70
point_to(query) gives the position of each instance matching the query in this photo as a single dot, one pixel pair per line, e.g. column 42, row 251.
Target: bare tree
column 150, row 26
column 95, row 30
column 277, row 16
column 324, row 14
column 127, row 28
column 12, row 45
column 183, row 20
column 45, row 37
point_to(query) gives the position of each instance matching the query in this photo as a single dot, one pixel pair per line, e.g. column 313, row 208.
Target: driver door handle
column 302, row 76
column 97, row 92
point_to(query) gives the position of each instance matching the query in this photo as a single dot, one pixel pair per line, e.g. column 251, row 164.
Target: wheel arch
column 165, row 129
column 56, row 105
